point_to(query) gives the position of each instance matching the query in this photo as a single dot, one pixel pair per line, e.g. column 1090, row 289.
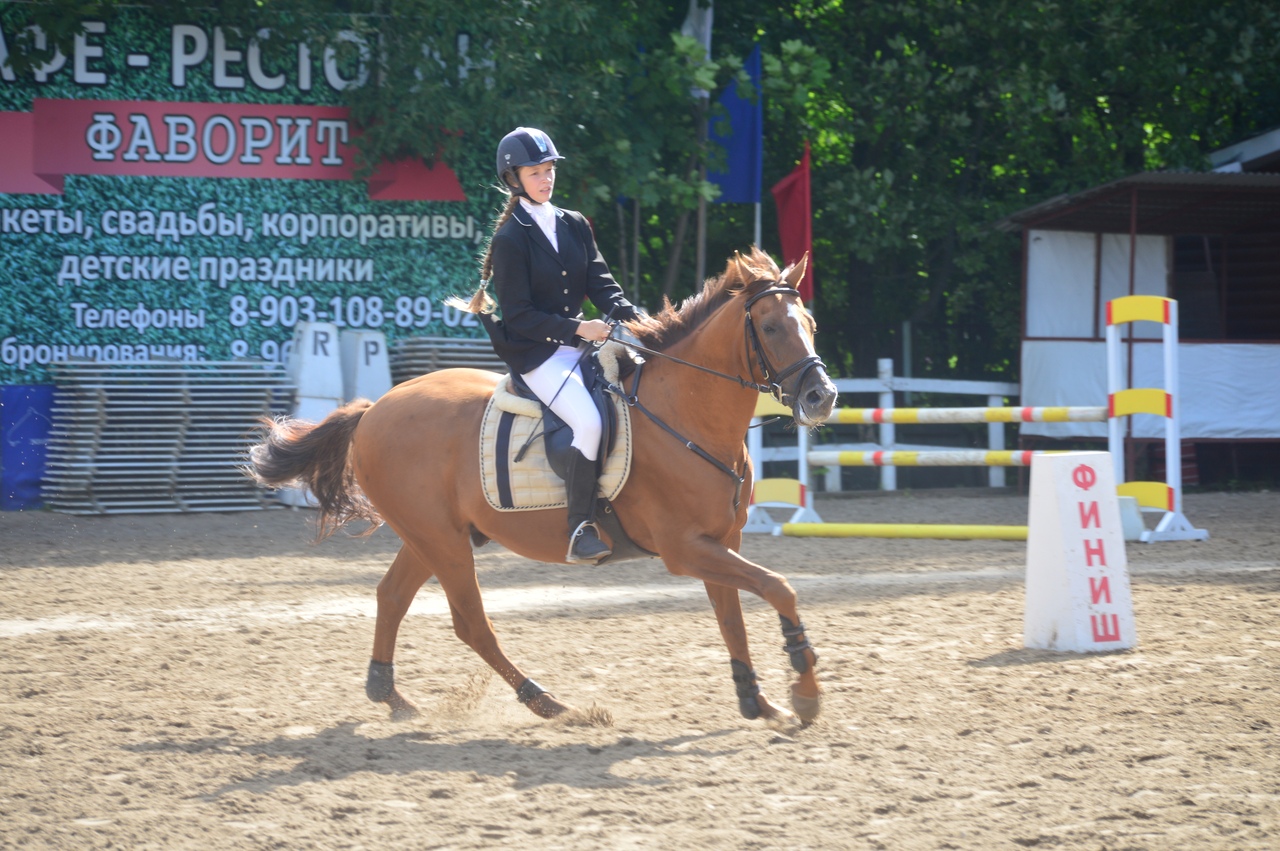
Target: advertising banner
column 176, row 192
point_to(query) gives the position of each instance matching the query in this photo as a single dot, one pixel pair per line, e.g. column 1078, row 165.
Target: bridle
column 772, row 383
column 773, row 379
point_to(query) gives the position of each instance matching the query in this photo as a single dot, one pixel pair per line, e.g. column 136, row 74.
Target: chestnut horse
column 411, row 460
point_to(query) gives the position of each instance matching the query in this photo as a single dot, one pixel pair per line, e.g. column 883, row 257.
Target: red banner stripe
column 178, row 139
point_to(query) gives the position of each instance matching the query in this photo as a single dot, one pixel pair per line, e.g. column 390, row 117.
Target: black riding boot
column 584, row 539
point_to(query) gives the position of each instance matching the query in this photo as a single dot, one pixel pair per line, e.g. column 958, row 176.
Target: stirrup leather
column 589, row 558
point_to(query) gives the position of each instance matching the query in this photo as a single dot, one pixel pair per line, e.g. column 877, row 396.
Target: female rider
column 543, row 261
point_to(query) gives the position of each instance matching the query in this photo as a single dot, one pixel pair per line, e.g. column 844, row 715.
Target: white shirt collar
column 545, row 217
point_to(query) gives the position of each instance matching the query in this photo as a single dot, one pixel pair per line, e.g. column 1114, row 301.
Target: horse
column 411, row 460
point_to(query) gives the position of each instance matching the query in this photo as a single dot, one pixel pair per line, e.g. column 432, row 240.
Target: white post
column 1173, row 525
column 315, row 361
column 884, row 372
column 1115, row 383
column 315, row 367
column 1167, row 498
column 995, row 440
column 755, row 448
column 1172, row 423
column 907, row 359
column 802, row 460
column 366, row 369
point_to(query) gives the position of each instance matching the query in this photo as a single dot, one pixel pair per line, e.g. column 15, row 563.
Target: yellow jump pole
column 955, row 532
column 970, row 415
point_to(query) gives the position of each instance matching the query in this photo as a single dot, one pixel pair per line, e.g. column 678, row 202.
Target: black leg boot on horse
column 585, row 546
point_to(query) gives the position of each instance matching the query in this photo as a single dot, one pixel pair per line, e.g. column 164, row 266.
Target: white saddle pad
column 530, row 483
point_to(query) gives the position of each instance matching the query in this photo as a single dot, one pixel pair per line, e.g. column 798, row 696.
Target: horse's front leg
column 752, row 702
column 711, row 561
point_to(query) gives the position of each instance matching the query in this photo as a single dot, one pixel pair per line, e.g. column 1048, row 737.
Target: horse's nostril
column 817, row 396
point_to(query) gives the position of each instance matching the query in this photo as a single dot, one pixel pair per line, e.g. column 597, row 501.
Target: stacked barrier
column 415, row 356
column 153, row 436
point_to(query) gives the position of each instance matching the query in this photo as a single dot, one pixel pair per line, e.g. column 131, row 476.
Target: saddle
column 517, row 470
column 523, row 444
column 557, row 437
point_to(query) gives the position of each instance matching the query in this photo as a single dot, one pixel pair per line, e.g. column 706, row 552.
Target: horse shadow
column 1032, row 656
column 341, row 751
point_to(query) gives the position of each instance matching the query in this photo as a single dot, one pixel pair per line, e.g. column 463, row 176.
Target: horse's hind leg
column 396, row 591
column 473, row 627
column 752, row 702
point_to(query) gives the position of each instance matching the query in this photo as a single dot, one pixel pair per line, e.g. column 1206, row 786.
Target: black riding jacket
column 540, row 290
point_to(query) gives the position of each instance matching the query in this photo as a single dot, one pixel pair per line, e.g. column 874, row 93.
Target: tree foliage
column 941, row 117
column 929, row 120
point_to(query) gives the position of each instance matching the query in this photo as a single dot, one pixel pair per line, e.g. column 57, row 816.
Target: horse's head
column 779, row 332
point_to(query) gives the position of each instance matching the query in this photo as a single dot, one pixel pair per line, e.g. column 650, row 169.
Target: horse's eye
column 770, row 328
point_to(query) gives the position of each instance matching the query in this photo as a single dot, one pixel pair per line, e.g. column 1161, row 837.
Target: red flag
column 795, row 220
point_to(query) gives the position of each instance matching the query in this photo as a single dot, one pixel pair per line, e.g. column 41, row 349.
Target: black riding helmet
column 523, row 146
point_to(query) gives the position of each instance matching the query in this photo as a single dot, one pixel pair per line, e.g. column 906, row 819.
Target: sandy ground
column 196, row 681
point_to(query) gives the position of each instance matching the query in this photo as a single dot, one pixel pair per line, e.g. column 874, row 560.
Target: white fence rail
column 884, row 385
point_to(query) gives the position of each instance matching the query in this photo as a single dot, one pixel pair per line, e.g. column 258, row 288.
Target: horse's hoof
column 546, row 706
column 402, row 709
column 776, row 716
column 806, row 708
column 405, row 713
column 783, row 721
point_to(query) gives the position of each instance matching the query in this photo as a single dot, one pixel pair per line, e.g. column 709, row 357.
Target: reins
column 754, row 347
column 774, row 385
column 742, row 382
column 633, row 401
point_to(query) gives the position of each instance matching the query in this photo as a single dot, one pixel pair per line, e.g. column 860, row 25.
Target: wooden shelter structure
column 1209, row 240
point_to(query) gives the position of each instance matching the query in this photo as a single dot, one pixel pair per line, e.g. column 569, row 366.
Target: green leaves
column 938, row 118
column 795, row 74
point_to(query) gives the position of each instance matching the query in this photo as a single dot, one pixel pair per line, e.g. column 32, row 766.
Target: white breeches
column 569, row 398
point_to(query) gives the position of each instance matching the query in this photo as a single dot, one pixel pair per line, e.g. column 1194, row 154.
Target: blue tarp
column 24, row 438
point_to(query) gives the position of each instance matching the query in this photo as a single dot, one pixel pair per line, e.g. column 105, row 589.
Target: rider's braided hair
column 481, row 301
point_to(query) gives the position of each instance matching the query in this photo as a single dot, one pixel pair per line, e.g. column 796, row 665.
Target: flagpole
column 757, row 231
column 704, row 110
column 697, row 24
column 635, row 247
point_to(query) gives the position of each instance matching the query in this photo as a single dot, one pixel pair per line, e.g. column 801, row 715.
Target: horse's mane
column 743, row 273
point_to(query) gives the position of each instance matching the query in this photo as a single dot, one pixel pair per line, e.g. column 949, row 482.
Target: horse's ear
column 793, row 276
column 741, row 267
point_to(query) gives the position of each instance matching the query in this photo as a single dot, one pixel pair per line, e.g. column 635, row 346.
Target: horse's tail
column 316, row 457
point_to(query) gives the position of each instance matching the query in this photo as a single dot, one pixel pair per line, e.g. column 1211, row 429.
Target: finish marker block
column 1077, row 596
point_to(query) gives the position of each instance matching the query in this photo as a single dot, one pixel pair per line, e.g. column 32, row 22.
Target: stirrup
column 590, row 556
